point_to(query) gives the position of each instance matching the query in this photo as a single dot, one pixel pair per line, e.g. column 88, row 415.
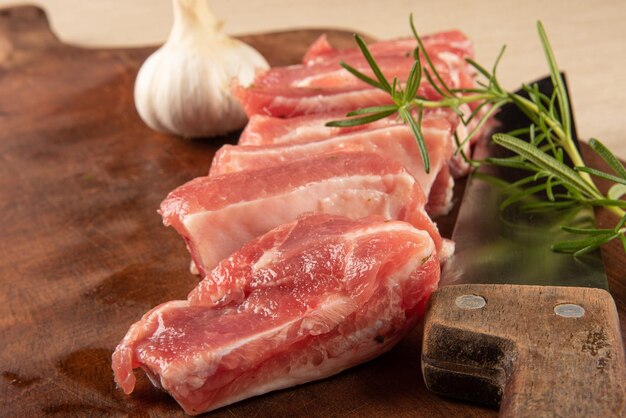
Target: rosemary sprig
column 542, row 155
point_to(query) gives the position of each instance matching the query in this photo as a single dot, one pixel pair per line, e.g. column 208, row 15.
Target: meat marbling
column 321, row 85
column 395, row 142
column 454, row 41
column 216, row 215
column 302, row 302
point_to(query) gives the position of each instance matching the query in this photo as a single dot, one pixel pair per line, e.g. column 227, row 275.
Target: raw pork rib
column 268, row 130
column 454, row 41
column 322, row 85
column 394, row 142
column 303, row 302
column 216, row 215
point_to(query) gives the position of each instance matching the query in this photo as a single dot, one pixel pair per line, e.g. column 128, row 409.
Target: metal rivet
column 569, row 310
column 470, row 302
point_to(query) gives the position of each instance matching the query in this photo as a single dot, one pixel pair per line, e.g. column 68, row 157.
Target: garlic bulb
column 184, row 87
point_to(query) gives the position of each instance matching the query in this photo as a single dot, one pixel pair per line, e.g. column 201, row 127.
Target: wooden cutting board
column 84, row 254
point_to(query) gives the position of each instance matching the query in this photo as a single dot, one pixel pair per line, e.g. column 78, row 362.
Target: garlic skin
column 183, row 88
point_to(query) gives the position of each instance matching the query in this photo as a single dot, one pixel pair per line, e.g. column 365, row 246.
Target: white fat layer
column 270, row 255
column 404, row 273
column 217, row 234
column 207, row 362
column 368, row 348
column 452, row 60
column 321, row 103
column 161, row 326
column 308, row 81
column 446, row 207
column 395, row 142
column 388, row 227
column 318, row 130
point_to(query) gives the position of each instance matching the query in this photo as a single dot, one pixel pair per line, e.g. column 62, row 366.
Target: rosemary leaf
column 521, row 195
column 512, row 162
column 394, row 90
column 361, row 76
column 541, row 159
column 492, row 110
column 607, row 203
column 362, row 120
column 584, row 231
column 494, row 69
column 477, row 110
column 557, row 80
column 601, row 174
column 547, row 206
column 433, row 84
column 549, row 192
column 478, row 68
column 419, row 138
column 372, row 109
column 608, row 157
column 582, row 246
column 372, row 63
column 414, row 79
column 616, row 191
column 427, row 57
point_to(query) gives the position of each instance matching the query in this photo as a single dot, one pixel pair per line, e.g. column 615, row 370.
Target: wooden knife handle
column 530, row 349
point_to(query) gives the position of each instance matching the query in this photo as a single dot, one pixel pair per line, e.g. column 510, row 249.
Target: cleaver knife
column 515, row 324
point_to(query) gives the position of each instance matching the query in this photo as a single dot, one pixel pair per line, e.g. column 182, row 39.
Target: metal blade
column 512, row 246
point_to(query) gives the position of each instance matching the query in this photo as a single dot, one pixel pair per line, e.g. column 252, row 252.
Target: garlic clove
column 184, row 87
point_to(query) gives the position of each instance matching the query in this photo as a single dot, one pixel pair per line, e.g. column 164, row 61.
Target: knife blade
column 514, row 323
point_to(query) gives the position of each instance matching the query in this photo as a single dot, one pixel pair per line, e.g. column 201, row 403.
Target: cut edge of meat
column 396, row 190
column 401, row 294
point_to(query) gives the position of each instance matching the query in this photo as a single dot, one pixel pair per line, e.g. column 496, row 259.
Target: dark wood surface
column 84, row 254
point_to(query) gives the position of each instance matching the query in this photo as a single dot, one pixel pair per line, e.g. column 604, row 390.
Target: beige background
column 589, row 36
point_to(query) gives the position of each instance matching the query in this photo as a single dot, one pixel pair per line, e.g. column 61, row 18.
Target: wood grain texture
column 84, row 253
column 517, row 352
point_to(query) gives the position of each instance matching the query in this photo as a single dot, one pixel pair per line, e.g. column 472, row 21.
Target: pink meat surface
column 267, row 130
column 322, row 85
column 303, row 302
column 394, row 142
column 216, row 215
column 454, row 40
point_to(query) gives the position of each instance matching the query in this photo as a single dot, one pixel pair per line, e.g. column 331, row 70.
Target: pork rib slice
column 326, row 87
column 303, row 302
column 394, row 142
column 216, row 215
column 322, row 51
column 267, row 130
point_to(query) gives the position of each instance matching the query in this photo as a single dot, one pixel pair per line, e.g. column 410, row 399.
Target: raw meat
column 303, row 302
column 267, row 130
column 454, row 40
column 394, row 142
column 216, row 215
column 322, row 85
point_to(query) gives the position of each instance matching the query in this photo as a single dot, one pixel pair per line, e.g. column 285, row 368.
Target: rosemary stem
column 568, row 146
column 617, row 211
column 564, row 140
